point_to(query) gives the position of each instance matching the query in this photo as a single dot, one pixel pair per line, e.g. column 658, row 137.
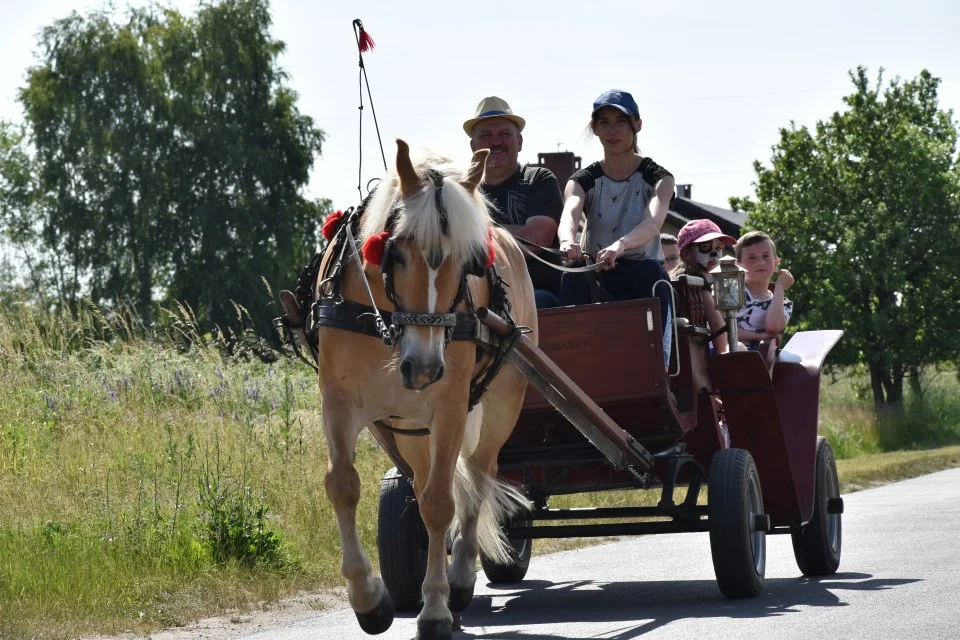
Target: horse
column 428, row 243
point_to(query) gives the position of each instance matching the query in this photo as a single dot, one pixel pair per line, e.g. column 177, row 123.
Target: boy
column 767, row 312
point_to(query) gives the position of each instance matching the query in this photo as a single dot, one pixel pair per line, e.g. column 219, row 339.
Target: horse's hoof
column 459, row 598
column 457, row 621
column 434, row 630
column 380, row 618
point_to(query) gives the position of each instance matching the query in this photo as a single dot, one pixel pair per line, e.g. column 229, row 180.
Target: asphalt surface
column 899, row 578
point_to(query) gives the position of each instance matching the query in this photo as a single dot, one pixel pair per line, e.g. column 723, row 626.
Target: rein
column 523, row 244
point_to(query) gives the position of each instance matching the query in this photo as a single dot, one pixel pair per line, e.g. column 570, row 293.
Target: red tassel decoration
column 366, row 42
column 491, row 249
column 330, row 224
column 373, row 247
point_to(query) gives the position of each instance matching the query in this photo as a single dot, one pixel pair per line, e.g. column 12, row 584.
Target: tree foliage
column 865, row 213
column 170, row 159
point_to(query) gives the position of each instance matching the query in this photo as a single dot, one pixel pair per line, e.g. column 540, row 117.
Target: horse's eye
column 399, row 258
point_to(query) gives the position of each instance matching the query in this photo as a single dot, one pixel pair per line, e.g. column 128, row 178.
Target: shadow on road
column 656, row 603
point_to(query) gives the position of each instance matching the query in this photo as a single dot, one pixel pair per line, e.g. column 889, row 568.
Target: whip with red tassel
column 365, row 43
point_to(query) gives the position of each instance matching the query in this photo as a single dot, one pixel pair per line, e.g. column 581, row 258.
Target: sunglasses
column 708, row 246
column 672, row 260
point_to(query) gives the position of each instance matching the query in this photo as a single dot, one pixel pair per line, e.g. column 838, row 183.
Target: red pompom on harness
column 330, row 224
column 373, row 247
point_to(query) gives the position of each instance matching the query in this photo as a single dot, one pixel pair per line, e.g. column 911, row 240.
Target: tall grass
column 143, row 483
column 146, row 478
column 849, row 422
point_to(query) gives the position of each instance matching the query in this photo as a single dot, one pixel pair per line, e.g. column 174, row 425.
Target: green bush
column 236, row 521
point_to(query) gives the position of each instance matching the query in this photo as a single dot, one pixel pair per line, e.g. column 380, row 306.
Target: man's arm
column 544, row 203
column 539, row 230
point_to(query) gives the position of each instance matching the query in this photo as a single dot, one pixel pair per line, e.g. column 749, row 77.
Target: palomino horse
column 437, row 230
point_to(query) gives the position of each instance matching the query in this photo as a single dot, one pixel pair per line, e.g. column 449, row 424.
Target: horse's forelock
column 419, row 217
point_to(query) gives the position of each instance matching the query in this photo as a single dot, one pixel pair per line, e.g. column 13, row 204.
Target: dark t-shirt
column 530, row 191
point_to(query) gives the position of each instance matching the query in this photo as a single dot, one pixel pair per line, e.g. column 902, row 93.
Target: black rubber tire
column 739, row 550
column 516, row 569
column 401, row 542
column 817, row 544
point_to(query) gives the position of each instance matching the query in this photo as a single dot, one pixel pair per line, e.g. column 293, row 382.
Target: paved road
column 899, row 578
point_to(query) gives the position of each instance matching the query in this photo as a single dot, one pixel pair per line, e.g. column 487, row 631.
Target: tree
column 865, row 213
column 24, row 269
column 171, row 159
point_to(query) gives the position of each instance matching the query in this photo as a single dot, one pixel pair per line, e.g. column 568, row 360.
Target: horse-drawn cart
column 420, row 269
column 601, row 413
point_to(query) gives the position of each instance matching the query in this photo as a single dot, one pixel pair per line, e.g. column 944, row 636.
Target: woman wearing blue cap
column 625, row 198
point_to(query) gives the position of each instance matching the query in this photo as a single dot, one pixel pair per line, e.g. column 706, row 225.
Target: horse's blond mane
column 467, row 216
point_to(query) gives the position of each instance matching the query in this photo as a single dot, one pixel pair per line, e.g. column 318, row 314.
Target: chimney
column 684, row 191
column 563, row 164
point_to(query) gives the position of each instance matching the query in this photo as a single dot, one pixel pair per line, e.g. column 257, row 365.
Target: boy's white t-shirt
column 753, row 316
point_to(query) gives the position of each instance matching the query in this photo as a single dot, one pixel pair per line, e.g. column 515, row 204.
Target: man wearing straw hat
column 527, row 200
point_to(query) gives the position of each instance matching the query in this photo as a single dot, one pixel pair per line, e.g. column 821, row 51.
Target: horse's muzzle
column 418, row 375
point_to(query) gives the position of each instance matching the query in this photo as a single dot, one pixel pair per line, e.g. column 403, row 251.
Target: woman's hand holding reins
column 609, row 255
column 572, row 251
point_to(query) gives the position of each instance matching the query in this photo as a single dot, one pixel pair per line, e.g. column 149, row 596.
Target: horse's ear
column 409, row 181
column 475, row 175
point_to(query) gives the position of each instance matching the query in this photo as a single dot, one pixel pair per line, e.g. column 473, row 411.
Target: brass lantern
column 729, row 293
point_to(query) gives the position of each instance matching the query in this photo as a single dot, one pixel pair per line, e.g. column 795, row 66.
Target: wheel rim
column 833, row 519
column 758, row 539
column 521, row 545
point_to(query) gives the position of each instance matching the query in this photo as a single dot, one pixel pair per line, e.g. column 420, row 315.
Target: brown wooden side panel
column 797, row 388
column 754, row 421
column 612, row 351
column 797, row 392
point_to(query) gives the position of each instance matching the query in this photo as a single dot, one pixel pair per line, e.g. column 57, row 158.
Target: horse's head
column 435, row 230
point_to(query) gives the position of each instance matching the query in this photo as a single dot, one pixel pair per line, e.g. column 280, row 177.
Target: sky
column 715, row 81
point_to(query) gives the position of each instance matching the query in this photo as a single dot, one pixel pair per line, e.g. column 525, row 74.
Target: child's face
column 760, row 262
column 707, row 254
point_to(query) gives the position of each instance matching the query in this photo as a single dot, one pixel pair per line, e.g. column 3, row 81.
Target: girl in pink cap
column 701, row 244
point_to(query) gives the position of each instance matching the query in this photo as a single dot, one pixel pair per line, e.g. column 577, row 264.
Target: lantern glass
column 728, row 285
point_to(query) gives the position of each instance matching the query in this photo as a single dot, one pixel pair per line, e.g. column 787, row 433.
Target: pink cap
column 701, row 231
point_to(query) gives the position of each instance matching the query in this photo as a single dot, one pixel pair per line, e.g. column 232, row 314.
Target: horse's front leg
column 435, row 621
column 469, row 494
column 367, row 594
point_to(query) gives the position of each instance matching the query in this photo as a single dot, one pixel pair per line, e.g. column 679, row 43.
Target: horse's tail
column 495, row 501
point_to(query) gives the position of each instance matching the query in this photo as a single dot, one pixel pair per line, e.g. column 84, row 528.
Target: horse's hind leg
column 367, row 594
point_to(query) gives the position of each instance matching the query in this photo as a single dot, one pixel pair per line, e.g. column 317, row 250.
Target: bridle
column 392, row 332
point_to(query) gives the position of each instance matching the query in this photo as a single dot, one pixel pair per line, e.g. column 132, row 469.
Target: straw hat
column 493, row 107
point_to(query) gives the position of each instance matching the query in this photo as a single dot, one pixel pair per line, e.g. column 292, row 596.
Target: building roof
column 683, row 210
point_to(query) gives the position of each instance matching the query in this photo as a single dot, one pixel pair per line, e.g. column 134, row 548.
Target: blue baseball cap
column 619, row 100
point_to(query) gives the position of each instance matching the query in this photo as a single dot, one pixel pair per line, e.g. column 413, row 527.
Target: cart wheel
column 735, row 505
column 516, row 568
column 816, row 545
column 401, row 542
